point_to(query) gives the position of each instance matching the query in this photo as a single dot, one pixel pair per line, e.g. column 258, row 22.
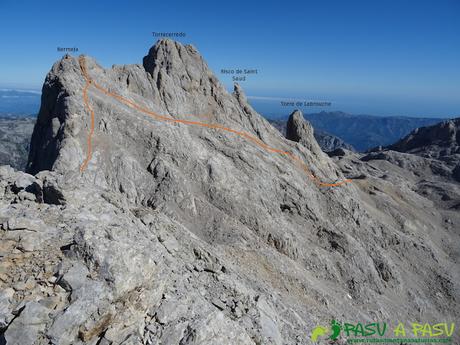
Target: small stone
column 198, row 267
column 170, row 311
column 30, row 283
column 23, row 223
column 23, row 195
column 218, row 304
column 50, row 302
column 238, row 312
column 24, row 182
column 20, row 286
column 26, row 327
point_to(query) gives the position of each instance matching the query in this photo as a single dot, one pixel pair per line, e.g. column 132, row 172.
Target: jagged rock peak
column 443, row 135
column 169, row 54
column 300, row 130
column 186, row 85
column 240, row 96
column 174, row 80
column 239, row 93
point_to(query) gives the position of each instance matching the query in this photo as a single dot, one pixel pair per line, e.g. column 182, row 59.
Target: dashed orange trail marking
column 89, row 82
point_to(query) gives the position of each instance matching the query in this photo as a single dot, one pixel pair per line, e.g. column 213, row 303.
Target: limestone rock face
column 437, row 146
column 329, row 143
column 300, row 130
column 434, row 141
column 193, row 223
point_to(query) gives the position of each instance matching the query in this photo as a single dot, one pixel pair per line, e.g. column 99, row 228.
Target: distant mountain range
column 364, row 132
column 15, row 102
column 15, row 135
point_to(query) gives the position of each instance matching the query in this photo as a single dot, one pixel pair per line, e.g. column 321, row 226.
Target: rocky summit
column 195, row 221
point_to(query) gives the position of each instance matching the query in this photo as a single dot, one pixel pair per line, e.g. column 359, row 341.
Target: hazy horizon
column 27, row 101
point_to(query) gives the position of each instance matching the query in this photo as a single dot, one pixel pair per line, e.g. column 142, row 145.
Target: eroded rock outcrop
column 326, row 141
column 300, row 130
column 432, row 155
column 435, row 141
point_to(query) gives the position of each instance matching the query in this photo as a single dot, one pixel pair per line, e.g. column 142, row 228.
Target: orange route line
column 91, row 111
column 89, row 82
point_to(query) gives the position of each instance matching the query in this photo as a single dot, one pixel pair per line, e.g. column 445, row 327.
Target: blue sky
column 393, row 57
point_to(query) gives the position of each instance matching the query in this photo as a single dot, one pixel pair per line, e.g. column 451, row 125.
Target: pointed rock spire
column 300, row 130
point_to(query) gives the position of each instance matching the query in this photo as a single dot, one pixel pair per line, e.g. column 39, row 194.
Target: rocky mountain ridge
column 436, row 141
column 180, row 234
column 16, row 133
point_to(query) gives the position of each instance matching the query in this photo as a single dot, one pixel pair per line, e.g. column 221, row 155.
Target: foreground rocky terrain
column 183, row 234
column 15, row 133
